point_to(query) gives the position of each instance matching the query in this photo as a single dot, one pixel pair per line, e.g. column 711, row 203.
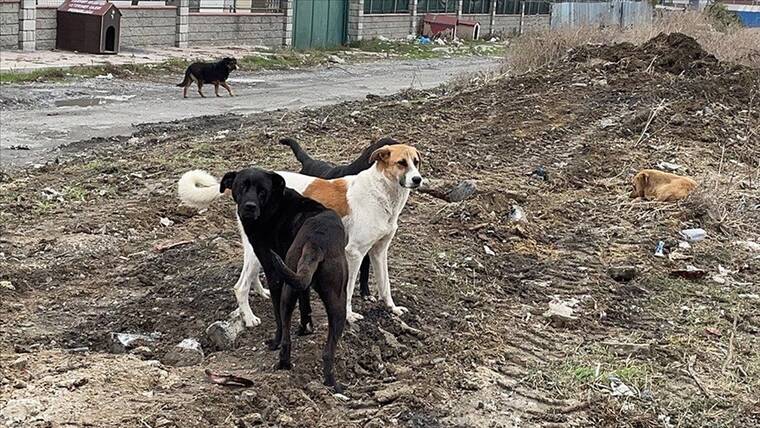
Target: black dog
column 279, row 222
column 322, row 169
column 215, row 73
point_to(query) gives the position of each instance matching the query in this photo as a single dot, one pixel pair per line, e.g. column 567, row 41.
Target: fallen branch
column 652, row 115
column 160, row 248
column 730, row 355
column 693, row 375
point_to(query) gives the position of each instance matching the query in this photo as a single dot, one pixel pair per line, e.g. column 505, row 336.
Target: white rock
column 20, row 410
column 186, row 353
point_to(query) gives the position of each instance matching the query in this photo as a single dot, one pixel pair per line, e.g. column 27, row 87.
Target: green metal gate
column 319, row 23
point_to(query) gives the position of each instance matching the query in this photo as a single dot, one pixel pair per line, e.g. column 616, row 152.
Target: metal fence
column 386, row 6
column 515, row 7
column 437, row 6
column 614, row 13
column 237, row 6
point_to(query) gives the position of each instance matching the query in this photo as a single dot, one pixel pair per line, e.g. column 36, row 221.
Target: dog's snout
column 417, row 180
column 250, row 206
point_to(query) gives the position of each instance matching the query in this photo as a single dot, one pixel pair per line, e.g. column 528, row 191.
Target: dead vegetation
column 730, row 43
column 479, row 347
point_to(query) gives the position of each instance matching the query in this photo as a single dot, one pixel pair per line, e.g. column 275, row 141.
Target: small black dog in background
column 215, row 73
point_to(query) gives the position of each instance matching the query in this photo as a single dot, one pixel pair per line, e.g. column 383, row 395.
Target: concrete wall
column 392, row 26
column 148, row 26
column 46, row 25
column 534, row 23
column 238, row 29
column 9, row 24
column 506, row 24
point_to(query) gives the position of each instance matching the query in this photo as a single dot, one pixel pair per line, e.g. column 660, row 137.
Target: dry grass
column 736, row 44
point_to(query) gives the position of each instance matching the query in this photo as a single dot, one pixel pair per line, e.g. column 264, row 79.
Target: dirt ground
column 657, row 350
column 40, row 116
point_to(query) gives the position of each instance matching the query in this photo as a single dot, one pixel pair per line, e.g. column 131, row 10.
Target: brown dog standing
column 656, row 185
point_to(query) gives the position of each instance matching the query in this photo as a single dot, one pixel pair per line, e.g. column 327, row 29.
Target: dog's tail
column 311, row 256
column 301, row 155
column 198, row 189
column 186, row 80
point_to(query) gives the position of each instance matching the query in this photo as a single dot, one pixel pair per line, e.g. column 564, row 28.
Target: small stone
column 252, row 420
column 336, row 59
column 166, row 222
column 285, row 420
column 622, row 273
column 20, row 410
column 393, row 393
column 391, row 340
column 144, row 352
column 20, row 363
column 224, row 333
column 488, row 250
column 561, row 313
column 375, row 423
column 123, row 342
column 186, row 353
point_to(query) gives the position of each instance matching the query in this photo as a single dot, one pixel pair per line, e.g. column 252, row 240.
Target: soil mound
column 674, row 53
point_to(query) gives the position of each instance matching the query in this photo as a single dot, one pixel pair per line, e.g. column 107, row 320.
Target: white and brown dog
column 369, row 205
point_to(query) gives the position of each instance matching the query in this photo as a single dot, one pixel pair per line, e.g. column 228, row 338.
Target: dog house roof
column 87, row 7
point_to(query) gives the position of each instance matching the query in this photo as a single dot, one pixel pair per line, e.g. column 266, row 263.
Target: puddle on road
column 91, row 101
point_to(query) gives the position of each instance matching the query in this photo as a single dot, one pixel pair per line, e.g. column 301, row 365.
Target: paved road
column 43, row 116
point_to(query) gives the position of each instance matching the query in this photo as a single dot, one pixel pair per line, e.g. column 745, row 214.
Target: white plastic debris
column 488, row 250
column 669, row 166
column 166, row 222
column 516, row 213
column 7, row 285
column 619, row 389
column 684, row 245
column 693, row 234
column 750, row 245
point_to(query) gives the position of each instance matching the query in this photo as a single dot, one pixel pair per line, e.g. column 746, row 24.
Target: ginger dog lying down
column 656, row 185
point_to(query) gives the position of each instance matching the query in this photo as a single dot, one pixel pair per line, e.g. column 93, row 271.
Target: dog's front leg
column 354, row 258
column 216, row 89
column 227, row 87
column 378, row 255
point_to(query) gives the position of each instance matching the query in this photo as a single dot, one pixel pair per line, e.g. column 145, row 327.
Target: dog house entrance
column 110, row 39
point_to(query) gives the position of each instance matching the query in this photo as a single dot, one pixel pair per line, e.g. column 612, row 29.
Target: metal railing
column 386, row 6
column 237, row 6
column 515, row 7
column 476, row 6
column 437, row 6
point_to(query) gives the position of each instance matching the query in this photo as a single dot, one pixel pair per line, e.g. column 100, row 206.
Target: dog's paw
column 265, row 293
column 251, row 321
column 305, row 330
column 353, row 317
column 399, row 310
column 273, row 344
column 283, row 365
column 369, row 298
column 335, row 386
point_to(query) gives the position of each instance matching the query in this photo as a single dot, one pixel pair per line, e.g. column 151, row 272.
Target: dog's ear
column 227, row 181
column 278, row 183
column 382, row 154
column 419, row 158
column 640, row 181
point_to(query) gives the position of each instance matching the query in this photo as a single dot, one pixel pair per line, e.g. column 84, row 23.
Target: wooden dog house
column 91, row 26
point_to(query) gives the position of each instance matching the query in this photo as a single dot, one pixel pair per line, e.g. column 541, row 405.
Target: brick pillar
column 355, row 20
column 287, row 32
column 413, row 16
column 27, row 25
column 181, row 38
